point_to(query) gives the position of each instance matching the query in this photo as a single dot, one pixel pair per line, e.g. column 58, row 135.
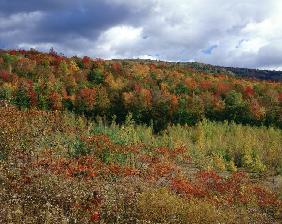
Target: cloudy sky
column 242, row 33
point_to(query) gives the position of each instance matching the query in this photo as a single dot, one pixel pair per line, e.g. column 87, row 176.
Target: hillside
column 156, row 93
column 233, row 71
column 241, row 72
column 136, row 141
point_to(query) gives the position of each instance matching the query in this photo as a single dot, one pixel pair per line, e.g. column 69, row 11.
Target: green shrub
column 78, row 148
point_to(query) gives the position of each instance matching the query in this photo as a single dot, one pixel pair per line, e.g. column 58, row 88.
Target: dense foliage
column 156, row 93
column 59, row 168
column 135, row 141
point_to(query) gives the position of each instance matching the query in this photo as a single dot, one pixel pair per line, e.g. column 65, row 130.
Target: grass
column 56, row 167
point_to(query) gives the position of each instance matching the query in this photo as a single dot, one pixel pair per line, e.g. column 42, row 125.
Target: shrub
column 78, row 148
column 161, row 206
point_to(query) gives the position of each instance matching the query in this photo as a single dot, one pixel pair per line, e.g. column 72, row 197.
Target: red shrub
column 95, row 216
column 5, row 76
column 249, row 91
column 186, row 188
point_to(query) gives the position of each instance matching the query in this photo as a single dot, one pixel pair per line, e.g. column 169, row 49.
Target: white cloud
column 246, row 33
column 182, row 30
column 118, row 41
column 151, row 57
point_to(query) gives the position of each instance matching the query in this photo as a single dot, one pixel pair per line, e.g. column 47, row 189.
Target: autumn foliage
column 85, row 140
column 154, row 92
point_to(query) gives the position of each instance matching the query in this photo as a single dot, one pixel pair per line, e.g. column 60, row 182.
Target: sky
column 239, row 33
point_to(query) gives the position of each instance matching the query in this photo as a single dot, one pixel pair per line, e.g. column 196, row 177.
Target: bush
column 78, row 148
column 161, row 206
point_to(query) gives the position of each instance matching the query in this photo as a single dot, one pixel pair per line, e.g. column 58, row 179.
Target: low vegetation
column 57, row 167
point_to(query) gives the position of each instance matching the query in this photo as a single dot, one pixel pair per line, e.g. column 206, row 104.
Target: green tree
column 235, row 107
column 21, row 98
column 95, row 76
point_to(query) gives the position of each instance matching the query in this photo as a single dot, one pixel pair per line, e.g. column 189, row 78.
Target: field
column 60, row 168
column 93, row 141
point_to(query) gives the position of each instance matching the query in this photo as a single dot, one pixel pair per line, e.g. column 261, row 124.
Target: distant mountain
column 243, row 72
column 215, row 69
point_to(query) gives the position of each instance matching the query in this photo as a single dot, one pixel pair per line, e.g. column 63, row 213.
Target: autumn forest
column 86, row 140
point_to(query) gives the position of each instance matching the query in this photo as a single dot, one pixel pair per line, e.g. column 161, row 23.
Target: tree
column 56, row 101
column 85, row 100
column 181, row 89
column 235, row 107
column 86, row 61
column 102, row 101
column 21, row 97
column 95, row 76
column 191, row 110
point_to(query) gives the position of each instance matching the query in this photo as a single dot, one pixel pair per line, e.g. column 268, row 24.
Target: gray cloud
column 233, row 33
column 37, row 22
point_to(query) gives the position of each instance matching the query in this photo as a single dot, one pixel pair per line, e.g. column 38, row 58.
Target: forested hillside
column 240, row 72
column 156, row 93
column 136, row 141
